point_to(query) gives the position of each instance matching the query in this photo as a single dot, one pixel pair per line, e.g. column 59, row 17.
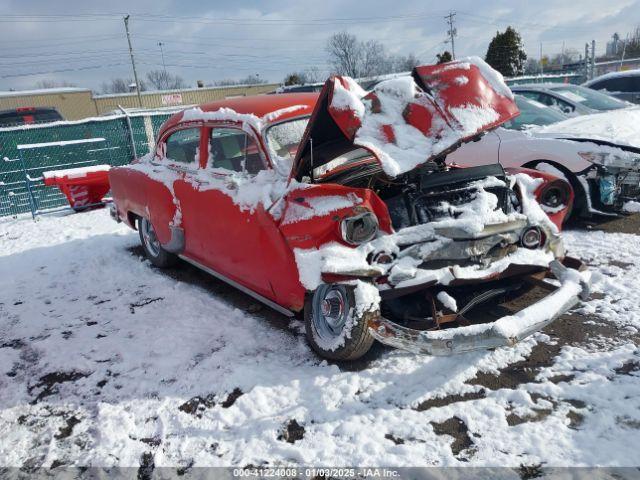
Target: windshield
column 589, row 98
column 533, row 113
column 283, row 140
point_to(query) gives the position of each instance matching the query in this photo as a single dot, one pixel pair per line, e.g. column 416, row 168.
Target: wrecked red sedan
column 341, row 206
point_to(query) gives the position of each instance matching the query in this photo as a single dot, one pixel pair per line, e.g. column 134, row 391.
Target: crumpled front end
column 452, row 252
column 506, row 331
column 614, row 180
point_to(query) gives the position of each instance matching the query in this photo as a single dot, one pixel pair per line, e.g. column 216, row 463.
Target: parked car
column 603, row 168
column 569, row 99
column 532, row 114
column 28, row 115
column 340, row 207
column 624, row 85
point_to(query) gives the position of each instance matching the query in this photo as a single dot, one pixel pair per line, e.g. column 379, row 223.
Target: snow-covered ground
column 108, row 361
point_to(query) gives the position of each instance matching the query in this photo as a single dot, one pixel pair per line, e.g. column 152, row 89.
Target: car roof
column 609, row 75
column 540, row 86
column 258, row 105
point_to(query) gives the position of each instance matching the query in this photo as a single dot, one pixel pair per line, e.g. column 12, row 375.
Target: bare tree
column 314, row 75
column 121, row 85
column 49, row 83
column 309, row 75
column 345, row 54
column 162, row 80
column 375, row 61
column 356, row 58
column 248, row 80
column 404, row 64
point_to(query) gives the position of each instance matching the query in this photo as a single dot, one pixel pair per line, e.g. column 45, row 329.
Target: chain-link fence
column 27, row 151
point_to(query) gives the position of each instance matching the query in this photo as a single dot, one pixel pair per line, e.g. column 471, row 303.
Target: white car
column 598, row 154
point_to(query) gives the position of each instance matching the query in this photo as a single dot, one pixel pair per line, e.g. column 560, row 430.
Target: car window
column 526, row 93
column 589, row 98
column 555, row 103
column 619, row 84
column 284, row 138
column 183, row 147
column 234, row 150
column 533, row 112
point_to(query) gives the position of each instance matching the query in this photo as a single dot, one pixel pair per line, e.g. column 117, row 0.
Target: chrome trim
column 242, row 288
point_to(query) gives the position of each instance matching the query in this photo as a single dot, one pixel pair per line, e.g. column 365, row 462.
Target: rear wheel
column 333, row 327
column 151, row 245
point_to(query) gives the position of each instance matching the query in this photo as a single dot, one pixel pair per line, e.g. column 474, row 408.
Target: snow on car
column 108, row 362
column 599, row 154
column 341, row 206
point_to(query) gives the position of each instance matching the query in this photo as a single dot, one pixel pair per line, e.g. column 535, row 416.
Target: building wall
column 76, row 105
column 72, row 105
column 192, row 96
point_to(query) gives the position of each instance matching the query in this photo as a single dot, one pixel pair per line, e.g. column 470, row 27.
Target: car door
column 221, row 233
column 177, row 153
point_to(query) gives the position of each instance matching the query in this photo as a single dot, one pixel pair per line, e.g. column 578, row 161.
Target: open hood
column 406, row 121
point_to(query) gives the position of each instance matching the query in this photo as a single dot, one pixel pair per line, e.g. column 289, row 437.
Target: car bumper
column 506, row 331
column 113, row 212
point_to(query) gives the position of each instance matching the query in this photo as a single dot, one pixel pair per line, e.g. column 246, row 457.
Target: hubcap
column 150, row 239
column 330, row 310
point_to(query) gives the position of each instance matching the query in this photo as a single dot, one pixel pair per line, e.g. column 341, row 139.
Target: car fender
column 557, row 217
column 311, row 215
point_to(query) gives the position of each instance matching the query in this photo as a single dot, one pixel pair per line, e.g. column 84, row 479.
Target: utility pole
column 133, row 63
column 593, row 59
column 452, row 32
column 160, row 44
column 586, row 61
column 541, row 60
column 624, row 49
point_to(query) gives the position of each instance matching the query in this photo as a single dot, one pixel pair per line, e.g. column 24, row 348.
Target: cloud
column 83, row 42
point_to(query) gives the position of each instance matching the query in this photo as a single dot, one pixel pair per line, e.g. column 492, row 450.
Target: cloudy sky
column 83, row 41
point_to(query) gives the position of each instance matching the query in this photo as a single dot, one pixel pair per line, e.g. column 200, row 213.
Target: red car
column 340, row 206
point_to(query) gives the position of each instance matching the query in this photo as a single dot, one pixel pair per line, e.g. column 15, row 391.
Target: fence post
column 32, row 200
column 131, row 139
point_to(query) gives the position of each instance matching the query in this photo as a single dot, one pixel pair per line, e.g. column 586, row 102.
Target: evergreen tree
column 444, row 57
column 505, row 53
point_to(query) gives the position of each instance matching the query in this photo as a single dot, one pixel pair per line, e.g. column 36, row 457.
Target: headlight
column 532, row 238
column 359, row 229
column 555, row 196
column 610, row 159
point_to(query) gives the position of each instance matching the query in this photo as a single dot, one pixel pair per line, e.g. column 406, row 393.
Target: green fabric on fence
column 115, row 150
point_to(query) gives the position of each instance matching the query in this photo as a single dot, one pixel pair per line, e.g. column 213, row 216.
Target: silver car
column 623, row 85
column 570, row 99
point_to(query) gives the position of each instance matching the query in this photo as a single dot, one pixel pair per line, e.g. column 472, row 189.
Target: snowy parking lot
column 108, row 361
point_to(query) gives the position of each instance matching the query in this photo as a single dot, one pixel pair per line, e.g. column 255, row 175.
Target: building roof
column 43, row 91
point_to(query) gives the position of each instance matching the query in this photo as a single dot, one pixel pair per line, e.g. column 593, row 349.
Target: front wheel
column 333, row 327
column 151, row 245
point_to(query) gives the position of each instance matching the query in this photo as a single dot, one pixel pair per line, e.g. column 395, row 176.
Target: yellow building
column 79, row 103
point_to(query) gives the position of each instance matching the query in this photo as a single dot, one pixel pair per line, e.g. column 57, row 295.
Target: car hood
column 407, row 121
column 619, row 128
